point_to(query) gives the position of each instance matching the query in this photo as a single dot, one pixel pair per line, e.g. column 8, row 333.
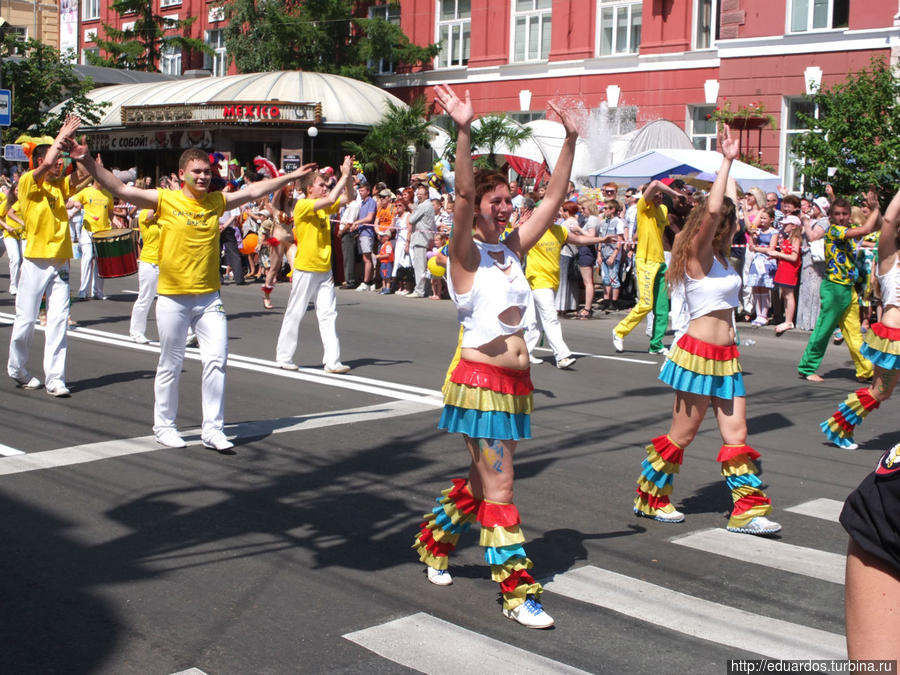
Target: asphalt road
column 293, row 553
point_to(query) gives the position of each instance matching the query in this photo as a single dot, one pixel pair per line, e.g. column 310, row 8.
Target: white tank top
column 719, row 289
column 497, row 287
column 890, row 285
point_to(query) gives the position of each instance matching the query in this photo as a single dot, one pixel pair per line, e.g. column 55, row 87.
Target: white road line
column 809, row 562
column 190, row 671
column 7, row 451
column 430, row 645
column 826, row 509
column 696, row 617
column 92, row 452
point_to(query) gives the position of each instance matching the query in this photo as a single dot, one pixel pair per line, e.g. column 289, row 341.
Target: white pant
column 419, row 256
column 39, row 276
column 206, row 315
column 91, row 282
column 14, row 249
column 148, row 275
column 548, row 320
column 306, row 285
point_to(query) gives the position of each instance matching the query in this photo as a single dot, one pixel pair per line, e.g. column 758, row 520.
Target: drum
column 116, row 253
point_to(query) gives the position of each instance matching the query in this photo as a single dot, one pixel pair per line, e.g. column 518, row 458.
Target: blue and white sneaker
column 530, row 614
column 846, row 443
column 439, row 577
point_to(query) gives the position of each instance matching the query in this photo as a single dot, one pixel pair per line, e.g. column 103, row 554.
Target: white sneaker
column 288, row 365
column 402, row 292
column 191, row 341
column 28, row 382
column 415, row 295
column 58, row 389
column 439, row 577
column 618, row 342
column 566, row 362
column 362, row 287
column 530, row 614
column 337, row 369
column 170, row 438
column 140, row 339
column 758, row 525
column 533, row 360
column 216, row 441
column 664, row 351
column 666, row 514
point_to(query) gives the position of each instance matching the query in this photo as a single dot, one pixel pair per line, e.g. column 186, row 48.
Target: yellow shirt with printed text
column 542, row 270
column 651, row 222
column 188, row 242
column 149, row 237
column 312, row 230
column 97, row 205
column 42, row 205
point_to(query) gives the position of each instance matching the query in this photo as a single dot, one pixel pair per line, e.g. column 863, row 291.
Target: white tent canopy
column 654, row 164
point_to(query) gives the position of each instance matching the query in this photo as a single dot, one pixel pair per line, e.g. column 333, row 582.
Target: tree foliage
column 855, row 139
column 384, row 148
column 40, row 78
column 489, row 133
column 314, row 35
column 140, row 47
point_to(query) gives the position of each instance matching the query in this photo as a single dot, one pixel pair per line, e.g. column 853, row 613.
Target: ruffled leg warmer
column 740, row 476
column 849, row 414
column 502, row 539
column 439, row 533
column 664, row 457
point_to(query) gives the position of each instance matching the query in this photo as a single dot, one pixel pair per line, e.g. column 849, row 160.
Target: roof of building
column 108, row 76
column 346, row 103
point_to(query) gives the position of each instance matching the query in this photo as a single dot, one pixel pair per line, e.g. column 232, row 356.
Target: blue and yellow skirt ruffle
column 702, row 368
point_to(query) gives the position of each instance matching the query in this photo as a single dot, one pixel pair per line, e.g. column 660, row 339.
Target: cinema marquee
column 237, row 113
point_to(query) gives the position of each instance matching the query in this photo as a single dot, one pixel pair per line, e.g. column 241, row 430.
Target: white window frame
column 84, row 52
column 90, row 35
column 170, row 60
column 215, row 14
column 216, row 63
column 789, row 28
column 535, row 14
column 127, row 25
column 168, row 3
column 170, row 21
column 714, row 6
column 788, row 173
column 708, row 137
column 617, row 6
column 90, row 10
column 382, row 67
column 456, row 29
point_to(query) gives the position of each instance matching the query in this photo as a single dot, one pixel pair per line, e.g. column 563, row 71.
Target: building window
column 794, row 128
column 701, row 128
column 215, row 14
column 170, row 60
column 90, row 35
column 819, row 14
column 90, row 10
column 88, row 50
column 216, row 63
column 391, row 14
column 620, row 27
column 454, row 33
column 126, row 26
column 169, row 3
column 706, row 23
column 20, row 32
column 531, row 30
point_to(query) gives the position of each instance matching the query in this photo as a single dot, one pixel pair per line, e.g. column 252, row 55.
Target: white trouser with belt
column 548, row 320
column 39, row 276
column 148, row 275
column 206, row 315
column 318, row 286
column 91, row 283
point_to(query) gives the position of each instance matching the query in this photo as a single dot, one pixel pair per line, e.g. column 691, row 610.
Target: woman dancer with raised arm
column 488, row 397
column 881, row 344
column 703, row 366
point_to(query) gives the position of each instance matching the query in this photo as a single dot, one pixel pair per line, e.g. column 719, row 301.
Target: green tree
column 384, row 148
column 324, row 36
column 40, row 78
column 854, row 140
column 140, row 47
column 489, row 133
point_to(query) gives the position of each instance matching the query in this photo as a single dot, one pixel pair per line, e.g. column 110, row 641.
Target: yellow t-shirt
column 312, row 230
column 542, row 270
column 43, row 209
column 188, row 242
column 651, row 222
column 20, row 229
column 97, row 205
column 150, row 237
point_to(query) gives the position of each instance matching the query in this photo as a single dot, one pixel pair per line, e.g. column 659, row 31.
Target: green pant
column 838, row 306
column 650, row 278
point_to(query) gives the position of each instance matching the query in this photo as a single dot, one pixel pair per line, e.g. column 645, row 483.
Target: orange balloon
column 250, row 242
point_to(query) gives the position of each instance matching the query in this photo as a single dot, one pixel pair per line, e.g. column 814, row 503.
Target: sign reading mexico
column 251, row 112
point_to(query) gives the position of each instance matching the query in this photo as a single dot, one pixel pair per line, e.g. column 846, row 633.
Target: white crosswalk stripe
column 769, row 552
column 826, row 509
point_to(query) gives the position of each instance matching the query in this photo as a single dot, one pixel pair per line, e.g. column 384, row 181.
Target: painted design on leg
column 492, row 451
column 439, row 533
column 664, row 458
column 741, row 477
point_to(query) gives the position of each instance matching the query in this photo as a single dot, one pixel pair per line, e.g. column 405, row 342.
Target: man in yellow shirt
column 312, row 268
column 97, row 207
column 649, row 269
column 189, row 283
column 43, row 193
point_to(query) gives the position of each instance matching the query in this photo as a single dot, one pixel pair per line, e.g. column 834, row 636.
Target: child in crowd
column 787, row 274
column 761, row 274
column 385, row 260
column 437, row 283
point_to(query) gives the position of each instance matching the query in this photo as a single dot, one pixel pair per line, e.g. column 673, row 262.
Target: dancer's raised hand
column 729, row 147
column 566, row 118
column 460, row 111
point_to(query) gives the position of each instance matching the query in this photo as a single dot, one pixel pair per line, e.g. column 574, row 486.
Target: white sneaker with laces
column 664, row 351
column 170, row 438
column 140, row 339
column 363, row 287
column 530, row 614
column 337, row 369
column 58, row 389
column 216, row 441
column 759, row 525
column 28, row 382
column 288, row 365
column 565, row 362
column 533, row 360
column 666, row 514
column 618, row 342
column 439, row 577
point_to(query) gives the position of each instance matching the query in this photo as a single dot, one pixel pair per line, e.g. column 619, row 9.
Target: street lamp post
column 312, row 132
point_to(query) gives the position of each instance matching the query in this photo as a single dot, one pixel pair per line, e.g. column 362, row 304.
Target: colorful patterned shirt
column 840, row 255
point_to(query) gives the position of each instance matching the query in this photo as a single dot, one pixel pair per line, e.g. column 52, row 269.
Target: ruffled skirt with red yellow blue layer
column 702, row 368
column 485, row 401
column 882, row 346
